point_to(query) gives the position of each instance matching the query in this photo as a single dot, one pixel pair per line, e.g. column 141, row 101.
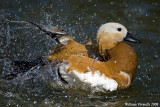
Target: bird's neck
column 104, row 47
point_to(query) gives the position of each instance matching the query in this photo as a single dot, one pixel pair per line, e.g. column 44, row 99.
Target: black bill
column 131, row 39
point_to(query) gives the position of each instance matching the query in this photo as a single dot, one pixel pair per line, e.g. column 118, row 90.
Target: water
column 81, row 19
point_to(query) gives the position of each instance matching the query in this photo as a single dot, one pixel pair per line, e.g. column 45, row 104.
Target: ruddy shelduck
column 115, row 73
column 109, row 65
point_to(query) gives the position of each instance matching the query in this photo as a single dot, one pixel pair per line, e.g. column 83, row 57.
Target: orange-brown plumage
column 121, row 58
column 121, row 64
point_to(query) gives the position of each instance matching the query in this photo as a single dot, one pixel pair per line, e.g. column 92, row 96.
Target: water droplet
column 156, row 56
column 89, row 0
column 139, row 66
column 35, row 102
column 129, row 15
column 20, row 9
column 95, row 14
column 111, row 3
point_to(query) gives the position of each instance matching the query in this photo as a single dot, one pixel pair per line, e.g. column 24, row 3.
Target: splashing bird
column 109, row 65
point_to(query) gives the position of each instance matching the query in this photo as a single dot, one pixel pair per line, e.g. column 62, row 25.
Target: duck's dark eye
column 119, row 29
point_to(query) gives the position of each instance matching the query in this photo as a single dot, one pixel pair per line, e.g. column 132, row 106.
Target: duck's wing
column 23, row 66
column 55, row 33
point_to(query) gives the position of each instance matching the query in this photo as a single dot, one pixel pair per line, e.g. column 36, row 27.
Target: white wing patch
column 96, row 80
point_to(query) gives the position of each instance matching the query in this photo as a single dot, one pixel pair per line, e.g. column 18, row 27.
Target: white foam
column 63, row 67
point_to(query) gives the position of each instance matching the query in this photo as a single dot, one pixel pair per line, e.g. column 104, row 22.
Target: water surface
column 81, row 19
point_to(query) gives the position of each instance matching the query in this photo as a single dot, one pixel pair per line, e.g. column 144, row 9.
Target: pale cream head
column 109, row 35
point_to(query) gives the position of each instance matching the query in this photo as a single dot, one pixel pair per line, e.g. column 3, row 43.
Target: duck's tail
column 20, row 67
column 55, row 33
